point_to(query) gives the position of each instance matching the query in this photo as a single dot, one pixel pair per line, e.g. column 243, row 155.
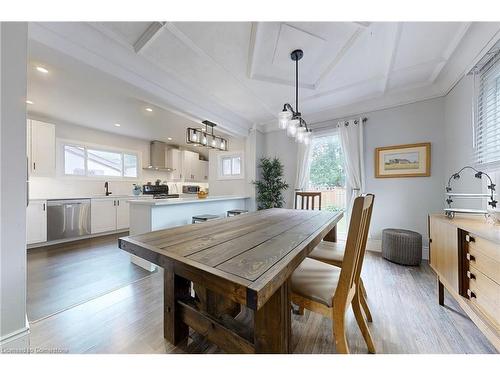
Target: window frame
column 62, row 143
column 481, row 126
column 223, row 155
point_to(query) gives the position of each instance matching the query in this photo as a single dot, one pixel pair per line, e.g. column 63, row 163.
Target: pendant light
column 290, row 119
column 205, row 137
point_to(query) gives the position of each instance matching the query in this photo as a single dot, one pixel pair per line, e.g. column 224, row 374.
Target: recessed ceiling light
column 29, row 102
column 41, row 69
column 117, row 125
column 149, row 109
column 169, row 138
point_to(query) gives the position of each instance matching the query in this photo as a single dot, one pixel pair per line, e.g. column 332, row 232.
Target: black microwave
column 190, row 189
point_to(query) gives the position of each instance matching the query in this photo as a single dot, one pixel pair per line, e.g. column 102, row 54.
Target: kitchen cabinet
column 202, row 170
column 109, row 214
column 189, row 165
column 36, row 221
column 122, row 214
column 41, row 148
column 102, row 215
column 174, row 159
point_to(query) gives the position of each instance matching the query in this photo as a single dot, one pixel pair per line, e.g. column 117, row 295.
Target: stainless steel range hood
column 157, row 157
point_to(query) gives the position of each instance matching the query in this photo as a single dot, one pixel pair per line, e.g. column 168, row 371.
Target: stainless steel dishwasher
column 68, row 218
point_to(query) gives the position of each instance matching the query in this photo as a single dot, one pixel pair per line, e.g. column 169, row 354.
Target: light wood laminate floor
column 403, row 301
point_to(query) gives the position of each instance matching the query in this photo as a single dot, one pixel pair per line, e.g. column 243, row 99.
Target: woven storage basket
column 402, row 246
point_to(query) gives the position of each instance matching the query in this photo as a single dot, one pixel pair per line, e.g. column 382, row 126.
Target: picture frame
column 410, row 160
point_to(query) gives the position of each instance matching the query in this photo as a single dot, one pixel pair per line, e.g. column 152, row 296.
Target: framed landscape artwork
column 413, row 160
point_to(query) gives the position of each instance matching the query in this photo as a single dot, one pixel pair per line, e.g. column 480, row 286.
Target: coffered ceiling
column 239, row 74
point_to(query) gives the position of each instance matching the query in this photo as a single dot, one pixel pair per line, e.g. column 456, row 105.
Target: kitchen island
column 150, row 215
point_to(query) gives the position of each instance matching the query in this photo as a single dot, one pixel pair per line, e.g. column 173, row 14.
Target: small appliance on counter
column 158, row 191
column 190, row 189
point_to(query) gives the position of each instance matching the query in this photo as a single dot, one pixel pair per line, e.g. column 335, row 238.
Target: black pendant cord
column 297, row 85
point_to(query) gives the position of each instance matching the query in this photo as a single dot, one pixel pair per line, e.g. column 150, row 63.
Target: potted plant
column 271, row 185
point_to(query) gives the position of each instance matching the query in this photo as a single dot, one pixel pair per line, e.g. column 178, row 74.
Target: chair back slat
column 355, row 246
column 307, row 199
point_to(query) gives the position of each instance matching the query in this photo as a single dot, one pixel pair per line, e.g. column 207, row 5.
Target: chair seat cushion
column 316, row 281
column 329, row 252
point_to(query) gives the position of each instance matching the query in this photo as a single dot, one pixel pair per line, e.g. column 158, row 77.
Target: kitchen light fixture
column 290, row 119
column 169, row 138
column 149, row 109
column 117, row 125
column 205, row 137
column 41, row 69
column 29, row 102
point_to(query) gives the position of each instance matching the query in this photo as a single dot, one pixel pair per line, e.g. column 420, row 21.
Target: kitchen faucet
column 106, row 185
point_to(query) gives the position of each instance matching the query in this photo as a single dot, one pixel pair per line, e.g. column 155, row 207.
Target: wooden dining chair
column 333, row 253
column 306, row 197
column 329, row 290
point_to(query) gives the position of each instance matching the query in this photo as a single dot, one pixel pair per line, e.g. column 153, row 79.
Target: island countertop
column 176, row 201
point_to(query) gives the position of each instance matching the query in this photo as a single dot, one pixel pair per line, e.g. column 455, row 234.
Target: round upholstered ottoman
column 402, row 246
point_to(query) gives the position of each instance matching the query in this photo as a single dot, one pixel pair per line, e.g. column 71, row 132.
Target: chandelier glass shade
column 290, row 119
column 205, row 137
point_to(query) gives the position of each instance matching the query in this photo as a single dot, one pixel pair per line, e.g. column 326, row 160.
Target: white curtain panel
column 351, row 139
column 303, row 167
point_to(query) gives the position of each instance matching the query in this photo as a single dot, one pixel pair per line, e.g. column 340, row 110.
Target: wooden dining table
column 215, row 269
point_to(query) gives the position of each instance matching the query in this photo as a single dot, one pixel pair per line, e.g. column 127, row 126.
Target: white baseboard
column 376, row 245
column 17, row 341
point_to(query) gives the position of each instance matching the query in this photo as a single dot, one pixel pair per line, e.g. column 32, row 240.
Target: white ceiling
column 239, row 74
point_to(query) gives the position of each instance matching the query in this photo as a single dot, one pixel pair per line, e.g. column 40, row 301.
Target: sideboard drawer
column 484, row 293
column 486, row 247
column 487, row 265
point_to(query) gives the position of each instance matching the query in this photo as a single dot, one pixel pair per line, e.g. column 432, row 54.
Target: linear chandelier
column 205, row 137
column 290, row 119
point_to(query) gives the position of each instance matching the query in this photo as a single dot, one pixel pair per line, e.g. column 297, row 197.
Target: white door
column 122, row 214
column 102, row 215
column 43, row 148
column 36, row 222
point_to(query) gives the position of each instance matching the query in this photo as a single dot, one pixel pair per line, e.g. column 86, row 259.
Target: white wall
column 14, row 328
column 277, row 144
column 400, row 202
column 63, row 186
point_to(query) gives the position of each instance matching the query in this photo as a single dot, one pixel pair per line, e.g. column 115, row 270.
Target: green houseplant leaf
column 271, row 185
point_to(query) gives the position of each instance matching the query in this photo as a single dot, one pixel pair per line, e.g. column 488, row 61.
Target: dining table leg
column 174, row 288
column 332, row 235
column 272, row 323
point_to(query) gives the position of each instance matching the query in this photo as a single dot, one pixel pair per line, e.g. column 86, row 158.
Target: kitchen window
column 90, row 161
column 230, row 166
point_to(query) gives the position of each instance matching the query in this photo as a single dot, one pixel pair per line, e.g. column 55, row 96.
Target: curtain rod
column 365, row 119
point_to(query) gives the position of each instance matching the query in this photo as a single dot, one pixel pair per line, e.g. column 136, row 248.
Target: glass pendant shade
column 307, row 137
column 300, row 136
column 204, row 139
column 291, row 129
column 283, row 118
column 194, row 136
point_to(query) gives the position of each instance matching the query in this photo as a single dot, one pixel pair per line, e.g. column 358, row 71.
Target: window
column 487, row 114
column 327, row 174
column 230, row 166
column 94, row 162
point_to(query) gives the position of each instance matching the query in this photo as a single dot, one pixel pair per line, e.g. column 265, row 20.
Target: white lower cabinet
column 36, row 221
column 122, row 214
column 108, row 215
column 102, row 215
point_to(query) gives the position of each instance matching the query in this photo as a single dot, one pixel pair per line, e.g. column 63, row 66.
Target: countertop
column 174, row 201
column 102, row 196
column 473, row 224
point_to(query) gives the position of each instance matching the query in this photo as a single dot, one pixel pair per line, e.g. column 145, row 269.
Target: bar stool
column 204, row 217
column 236, row 212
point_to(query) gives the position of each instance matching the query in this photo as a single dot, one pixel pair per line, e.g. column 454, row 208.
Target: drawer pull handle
column 470, row 257
column 471, row 294
column 469, row 238
column 470, row 275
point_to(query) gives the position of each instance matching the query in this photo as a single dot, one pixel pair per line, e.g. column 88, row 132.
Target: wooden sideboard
column 465, row 254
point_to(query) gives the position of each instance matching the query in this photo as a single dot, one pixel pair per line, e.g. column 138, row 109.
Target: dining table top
column 245, row 257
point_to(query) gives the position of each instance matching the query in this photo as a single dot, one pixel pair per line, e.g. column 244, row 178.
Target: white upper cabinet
column 41, row 148
column 203, row 170
column 174, row 160
column 36, row 222
column 187, row 166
